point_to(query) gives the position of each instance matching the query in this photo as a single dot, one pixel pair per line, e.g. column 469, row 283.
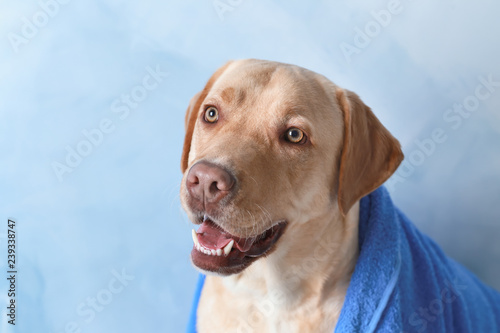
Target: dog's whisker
column 250, row 217
column 265, row 218
column 256, row 182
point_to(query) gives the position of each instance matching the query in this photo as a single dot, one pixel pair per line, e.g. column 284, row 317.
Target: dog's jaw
column 217, row 251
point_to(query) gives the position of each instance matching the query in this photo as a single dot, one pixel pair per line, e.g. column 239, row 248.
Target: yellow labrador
column 273, row 175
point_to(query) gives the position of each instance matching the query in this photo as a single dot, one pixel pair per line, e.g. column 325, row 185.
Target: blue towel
column 403, row 282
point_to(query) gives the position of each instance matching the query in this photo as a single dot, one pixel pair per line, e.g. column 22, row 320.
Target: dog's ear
column 192, row 114
column 370, row 154
column 189, row 123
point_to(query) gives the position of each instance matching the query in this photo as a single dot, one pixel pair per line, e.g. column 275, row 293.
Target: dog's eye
column 295, row 135
column 211, row 114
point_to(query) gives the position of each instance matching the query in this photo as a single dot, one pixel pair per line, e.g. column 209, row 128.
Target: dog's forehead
column 269, row 88
column 247, row 81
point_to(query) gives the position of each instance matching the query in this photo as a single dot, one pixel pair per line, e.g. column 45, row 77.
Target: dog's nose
column 209, row 183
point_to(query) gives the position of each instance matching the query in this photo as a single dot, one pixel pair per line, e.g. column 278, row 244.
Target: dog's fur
column 300, row 285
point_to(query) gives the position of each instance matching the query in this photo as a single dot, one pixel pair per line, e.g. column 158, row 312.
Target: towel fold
column 403, row 282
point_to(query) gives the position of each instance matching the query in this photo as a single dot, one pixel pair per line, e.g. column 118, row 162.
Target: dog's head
column 269, row 147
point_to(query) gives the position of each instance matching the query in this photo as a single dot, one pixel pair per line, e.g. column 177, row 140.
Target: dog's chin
column 216, row 251
column 209, row 266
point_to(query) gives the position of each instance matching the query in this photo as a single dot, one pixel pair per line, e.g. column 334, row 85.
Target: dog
column 276, row 161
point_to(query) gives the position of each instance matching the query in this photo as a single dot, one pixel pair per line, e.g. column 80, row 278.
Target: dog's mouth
column 216, row 250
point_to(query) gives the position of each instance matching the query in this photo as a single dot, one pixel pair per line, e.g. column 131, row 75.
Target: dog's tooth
column 228, row 247
column 195, row 237
column 219, row 252
column 205, row 217
column 213, row 252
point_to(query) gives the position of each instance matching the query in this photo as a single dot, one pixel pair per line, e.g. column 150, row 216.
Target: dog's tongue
column 213, row 237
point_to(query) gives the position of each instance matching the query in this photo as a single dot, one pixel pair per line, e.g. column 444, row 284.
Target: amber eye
column 211, row 114
column 295, row 135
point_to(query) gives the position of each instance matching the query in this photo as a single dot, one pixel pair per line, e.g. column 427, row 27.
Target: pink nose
column 208, row 183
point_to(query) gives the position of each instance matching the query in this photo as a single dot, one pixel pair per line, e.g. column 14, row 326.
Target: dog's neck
column 312, row 263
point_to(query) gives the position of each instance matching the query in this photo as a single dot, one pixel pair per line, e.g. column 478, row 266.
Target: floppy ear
column 370, row 154
column 189, row 122
column 192, row 115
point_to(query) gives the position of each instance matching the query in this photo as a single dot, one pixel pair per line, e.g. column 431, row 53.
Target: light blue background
column 119, row 208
